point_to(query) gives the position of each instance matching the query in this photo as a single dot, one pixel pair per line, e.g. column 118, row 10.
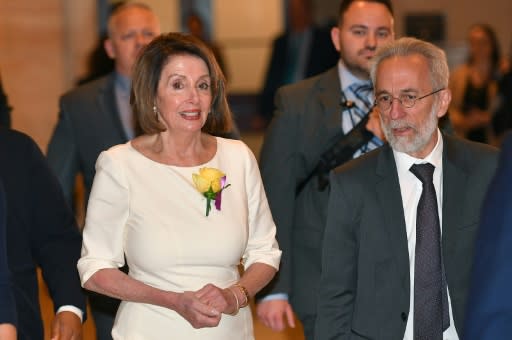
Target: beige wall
column 167, row 11
column 43, row 45
column 245, row 30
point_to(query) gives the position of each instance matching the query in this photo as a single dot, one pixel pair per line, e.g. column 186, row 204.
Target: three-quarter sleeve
column 262, row 246
column 107, row 213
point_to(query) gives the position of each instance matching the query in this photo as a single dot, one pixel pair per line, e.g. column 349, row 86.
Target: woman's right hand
column 224, row 300
column 197, row 313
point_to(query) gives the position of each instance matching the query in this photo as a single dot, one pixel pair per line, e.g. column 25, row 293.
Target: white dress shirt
column 411, row 188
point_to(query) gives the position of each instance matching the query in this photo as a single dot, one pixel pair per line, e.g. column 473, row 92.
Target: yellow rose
column 202, row 185
column 208, row 177
column 209, row 183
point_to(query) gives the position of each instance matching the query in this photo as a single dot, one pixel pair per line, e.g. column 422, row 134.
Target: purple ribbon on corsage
column 218, row 196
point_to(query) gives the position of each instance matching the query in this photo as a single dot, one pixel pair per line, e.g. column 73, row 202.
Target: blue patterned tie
column 362, row 93
column 431, row 315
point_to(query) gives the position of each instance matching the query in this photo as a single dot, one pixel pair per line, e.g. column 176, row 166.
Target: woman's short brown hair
column 147, row 72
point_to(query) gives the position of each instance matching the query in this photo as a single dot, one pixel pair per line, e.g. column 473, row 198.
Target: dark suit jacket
column 8, row 305
column 502, row 118
column 308, row 117
column 365, row 285
column 489, row 312
column 321, row 56
column 89, row 122
column 41, row 231
column 5, row 109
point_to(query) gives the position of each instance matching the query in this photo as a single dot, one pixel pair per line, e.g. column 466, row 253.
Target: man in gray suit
column 387, row 273
column 310, row 115
column 96, row 116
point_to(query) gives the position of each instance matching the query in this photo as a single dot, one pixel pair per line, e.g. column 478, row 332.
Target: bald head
column 131, row 26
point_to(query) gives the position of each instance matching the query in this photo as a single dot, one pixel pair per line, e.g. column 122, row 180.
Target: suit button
column 404, row 316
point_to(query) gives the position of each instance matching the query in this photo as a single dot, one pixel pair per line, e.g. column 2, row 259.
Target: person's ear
column 109, row 48
column 445, row 97
column 335, row 37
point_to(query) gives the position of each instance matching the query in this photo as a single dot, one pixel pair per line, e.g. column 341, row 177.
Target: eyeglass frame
column 376, row 104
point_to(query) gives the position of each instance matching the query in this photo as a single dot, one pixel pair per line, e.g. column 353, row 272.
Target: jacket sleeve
column 62, row 154
column 8, row 306
column 338, row 281
column 55, row 238
column 278, row 170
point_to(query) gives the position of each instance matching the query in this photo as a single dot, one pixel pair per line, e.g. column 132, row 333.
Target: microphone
column 347, row 104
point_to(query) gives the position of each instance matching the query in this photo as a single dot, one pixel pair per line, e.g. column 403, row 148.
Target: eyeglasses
column 385, row 100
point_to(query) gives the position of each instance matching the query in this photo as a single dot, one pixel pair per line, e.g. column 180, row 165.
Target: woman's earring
column 155, row 110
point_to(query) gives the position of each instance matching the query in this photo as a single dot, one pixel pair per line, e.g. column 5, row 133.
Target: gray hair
column 436, row 58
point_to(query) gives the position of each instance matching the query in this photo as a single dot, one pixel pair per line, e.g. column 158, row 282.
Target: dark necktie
column 431, row 315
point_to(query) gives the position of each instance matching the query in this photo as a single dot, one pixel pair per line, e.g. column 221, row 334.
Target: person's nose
column 371, row 41
column 396, row 111
column 194, row 94
column 142, row 39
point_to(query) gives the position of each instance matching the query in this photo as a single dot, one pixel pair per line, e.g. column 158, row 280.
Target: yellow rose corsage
column 210, row 182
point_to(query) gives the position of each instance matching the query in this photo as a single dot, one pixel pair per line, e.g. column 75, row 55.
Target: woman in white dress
column 148, row 207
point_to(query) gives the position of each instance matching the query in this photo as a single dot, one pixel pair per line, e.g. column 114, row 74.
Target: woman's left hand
column 221, row 299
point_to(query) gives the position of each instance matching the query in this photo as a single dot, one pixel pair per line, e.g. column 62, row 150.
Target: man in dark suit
column 41, row 231
column 310, row 116
column 386, row 271
column 489, row 312
column 96, row 116
column 302, row 51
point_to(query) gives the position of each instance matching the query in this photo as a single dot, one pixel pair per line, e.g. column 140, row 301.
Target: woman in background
column 474, row 86
column 148, row 205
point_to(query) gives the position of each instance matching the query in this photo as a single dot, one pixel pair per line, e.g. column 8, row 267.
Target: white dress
column 152, row 214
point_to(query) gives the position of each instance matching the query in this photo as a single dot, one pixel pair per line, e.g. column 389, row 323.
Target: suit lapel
column 329, row 99
column 108, row 106
column 322, row 119
column 390, row 201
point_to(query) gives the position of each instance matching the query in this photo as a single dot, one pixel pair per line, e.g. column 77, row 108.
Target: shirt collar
column 347, row 78
column 123, row 83
column 405, row 161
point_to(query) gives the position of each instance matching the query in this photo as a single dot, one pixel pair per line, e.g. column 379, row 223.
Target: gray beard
column 414, row 144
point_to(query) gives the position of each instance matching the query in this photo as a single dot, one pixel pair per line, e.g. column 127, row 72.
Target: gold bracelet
column 245, row 293
column 237, row 303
